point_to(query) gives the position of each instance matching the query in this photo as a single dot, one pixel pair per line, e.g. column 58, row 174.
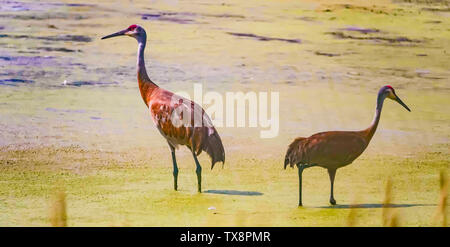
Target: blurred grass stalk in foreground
column 351, row 218
column 58, row 214
column 442, row 205
column 389, row 215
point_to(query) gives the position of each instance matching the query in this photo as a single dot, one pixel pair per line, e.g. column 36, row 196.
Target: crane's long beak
column 120, row 33
column 401, row 102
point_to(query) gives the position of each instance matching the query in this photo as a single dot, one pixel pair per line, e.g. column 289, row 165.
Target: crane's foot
column 300, row 205
column 199, row 178
column 175, row 180
column 199, row 187
column 332, row 201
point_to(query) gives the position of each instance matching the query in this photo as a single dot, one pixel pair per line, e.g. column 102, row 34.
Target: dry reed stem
column 58, row 214
column 351, row 218
column 442, row 205
column 389, row 216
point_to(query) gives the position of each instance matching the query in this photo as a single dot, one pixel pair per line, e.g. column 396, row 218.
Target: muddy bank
column 14, row 82
column 264, row 38
column 342, row 35
column 62, row 37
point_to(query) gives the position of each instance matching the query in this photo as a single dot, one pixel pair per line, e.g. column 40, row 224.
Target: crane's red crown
column 132, row 27
column 389, row 86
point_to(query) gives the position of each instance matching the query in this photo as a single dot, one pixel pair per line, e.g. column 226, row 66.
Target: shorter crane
column 335, row 149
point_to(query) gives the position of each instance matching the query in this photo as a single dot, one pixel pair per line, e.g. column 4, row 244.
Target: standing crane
column 335, row 149
column 179, row 120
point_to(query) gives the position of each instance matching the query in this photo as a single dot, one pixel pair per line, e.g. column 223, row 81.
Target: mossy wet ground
column 71, row 115
column 122, row 189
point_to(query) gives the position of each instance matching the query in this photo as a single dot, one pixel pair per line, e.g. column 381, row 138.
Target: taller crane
column 179, row 120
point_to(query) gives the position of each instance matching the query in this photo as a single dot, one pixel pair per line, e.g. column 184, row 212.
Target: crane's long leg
column 301, row 167
column 198, row 170
column 332, row 173
column 175, row 168
column 300, row 172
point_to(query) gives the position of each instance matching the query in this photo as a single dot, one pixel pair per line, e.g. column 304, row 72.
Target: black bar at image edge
column 228, row 236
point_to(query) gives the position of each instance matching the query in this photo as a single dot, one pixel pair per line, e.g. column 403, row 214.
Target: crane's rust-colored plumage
column 179, row 120
column 204, row 138
column 332, row 149
column 335, row 149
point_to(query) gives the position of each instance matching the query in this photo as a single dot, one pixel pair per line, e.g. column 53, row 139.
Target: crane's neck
column 146, row 86
column 376, row 119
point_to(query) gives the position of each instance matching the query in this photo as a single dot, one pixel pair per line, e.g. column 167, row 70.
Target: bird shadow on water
column 234, row 192
column 376, row 205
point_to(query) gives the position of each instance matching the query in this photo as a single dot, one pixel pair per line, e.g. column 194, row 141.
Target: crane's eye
column 390, row 94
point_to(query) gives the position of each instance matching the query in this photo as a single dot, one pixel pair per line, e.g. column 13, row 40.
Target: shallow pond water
column 61, row 85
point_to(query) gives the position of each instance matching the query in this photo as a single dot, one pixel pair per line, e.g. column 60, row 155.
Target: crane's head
column 134, row 31
column 389, row 92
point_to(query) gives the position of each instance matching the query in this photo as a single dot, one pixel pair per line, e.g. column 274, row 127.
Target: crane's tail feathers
column 286, row 162
column 214, row 148
column 294, row 154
